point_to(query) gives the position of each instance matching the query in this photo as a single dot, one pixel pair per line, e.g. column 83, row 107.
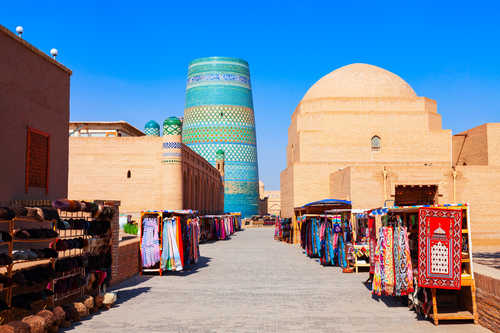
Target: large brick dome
column 360, row 80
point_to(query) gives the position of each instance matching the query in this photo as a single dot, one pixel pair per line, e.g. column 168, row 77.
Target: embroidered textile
column 373, row 243
column 439, row 248
column 377, row 281
column 388, row 277
column 402, row 263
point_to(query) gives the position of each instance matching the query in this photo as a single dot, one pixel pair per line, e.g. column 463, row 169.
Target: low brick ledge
column 488, row 296
column 128, row 260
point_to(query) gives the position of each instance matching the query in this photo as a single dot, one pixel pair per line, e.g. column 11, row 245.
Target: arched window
column 129, row 174
column 376, row 143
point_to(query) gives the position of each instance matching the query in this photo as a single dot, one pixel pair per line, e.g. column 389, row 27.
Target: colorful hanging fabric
column 341, row 247
column 194, row 237
column 150, row 244
column 378, row 267
column 439, row 248
column 403, row 271
column 372, row 236
column 388, row 257
column 170, row 257
column 327, row 248
column 180, row 240
column 316, row 243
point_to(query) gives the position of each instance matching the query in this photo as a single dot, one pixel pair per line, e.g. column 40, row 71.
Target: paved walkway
column 252, row 283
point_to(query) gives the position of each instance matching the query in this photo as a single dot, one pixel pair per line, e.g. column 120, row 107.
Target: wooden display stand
column 160, row 214
column 467, row 282
column 159, row 217
column 467, row 293
column 356, row 264
column 24, row 263
column 10, row 270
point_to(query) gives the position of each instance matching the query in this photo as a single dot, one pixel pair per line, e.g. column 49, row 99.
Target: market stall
column 315, row 207
column 425, row 252
column 169, row 240
column 358, row 248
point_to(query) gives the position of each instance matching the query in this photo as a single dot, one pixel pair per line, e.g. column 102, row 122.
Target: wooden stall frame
column 160, row 230
column 467, row 280
column 159, row 213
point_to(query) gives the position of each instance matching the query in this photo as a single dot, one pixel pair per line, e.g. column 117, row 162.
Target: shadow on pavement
column 191, row 269
column 491, row 259
column 391, row 301
column 188, row 270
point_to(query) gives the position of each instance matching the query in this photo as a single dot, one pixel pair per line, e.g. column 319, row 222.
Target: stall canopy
column 319, row 207
column 328, row 202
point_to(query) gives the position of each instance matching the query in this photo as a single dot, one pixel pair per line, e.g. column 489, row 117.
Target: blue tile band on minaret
column 219, row 116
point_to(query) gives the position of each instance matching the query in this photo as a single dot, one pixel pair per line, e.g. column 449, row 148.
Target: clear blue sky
column 129, row 58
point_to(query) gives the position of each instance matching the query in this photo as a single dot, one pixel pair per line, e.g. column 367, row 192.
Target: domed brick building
column 361, row 133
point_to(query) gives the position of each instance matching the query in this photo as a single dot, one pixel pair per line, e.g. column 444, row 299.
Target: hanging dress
column 150, row 244
column 171, row 259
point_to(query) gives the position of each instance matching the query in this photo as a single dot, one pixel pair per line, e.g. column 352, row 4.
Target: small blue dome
column 152, row 128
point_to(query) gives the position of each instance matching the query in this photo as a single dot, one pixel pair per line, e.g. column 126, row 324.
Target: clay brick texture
column 128, row 260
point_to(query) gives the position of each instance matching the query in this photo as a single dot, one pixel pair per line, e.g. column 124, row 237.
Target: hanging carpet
column 439, row 248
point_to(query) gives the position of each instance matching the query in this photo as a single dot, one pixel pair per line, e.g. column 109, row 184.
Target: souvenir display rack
column 466, row 297
column 160, row 215
column 237, row 221
column 63, row 235
column 358, row 244
column 17, row 243
column 96, row 245
column 445, row 304
column 211, row 225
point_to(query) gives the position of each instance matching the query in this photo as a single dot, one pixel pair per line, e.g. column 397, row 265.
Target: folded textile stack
column 68, row 244
column 70, row 263
column 71, row 224
column 98, row 211
column 66, row 285
column 40, row 213
column 41, row 233
column 33, row 276
column 98, row 228
column 31, row 254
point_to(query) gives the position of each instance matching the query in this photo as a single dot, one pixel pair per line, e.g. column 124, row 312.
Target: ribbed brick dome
column 360, row 80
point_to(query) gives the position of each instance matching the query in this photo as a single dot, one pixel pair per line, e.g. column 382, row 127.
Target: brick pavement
column 252, row 283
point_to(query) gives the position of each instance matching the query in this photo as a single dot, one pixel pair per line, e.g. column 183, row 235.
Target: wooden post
column 434, row 306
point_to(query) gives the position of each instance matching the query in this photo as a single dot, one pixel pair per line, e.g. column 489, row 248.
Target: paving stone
column 253, row 283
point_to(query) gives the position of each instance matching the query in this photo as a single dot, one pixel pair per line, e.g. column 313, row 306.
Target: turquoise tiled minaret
column 219, row 117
